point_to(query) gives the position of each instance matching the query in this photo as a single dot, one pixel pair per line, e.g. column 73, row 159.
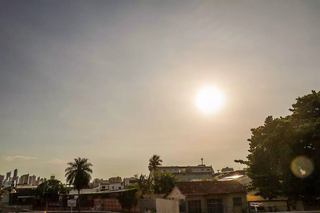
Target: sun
column 209, row 99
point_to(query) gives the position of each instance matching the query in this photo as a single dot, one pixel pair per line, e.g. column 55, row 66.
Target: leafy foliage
column 275, row 145
column 78, row 174
column 154, row 162
column 157, row 182
column 128, row 199
column 143, row 185
column 50, row 190
column 163, row 182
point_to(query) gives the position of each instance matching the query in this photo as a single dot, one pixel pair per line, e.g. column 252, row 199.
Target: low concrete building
column 129, row 181
column 158, row 205
column 211, row 196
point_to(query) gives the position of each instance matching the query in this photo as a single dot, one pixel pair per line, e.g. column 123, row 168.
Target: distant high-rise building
column 24, row 179
column 52, row 177
column 8, row 176
column 38, row 181
column 15, row 174
column 1, row 180
column 32, row 180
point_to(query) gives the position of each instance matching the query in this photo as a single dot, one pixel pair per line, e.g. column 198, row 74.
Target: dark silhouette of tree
column 284, row 153
column 154, row 162
column 50, row 190
column 78, row 174
column 128, row 199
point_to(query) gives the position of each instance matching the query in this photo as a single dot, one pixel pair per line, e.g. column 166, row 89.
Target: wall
column 115, row 186
column 227, row 200
column 110, row 204
column 175, row 194
column 5, row 198
column 280, row 203
column 167, row 206
column 190, row 176
column 147, row 205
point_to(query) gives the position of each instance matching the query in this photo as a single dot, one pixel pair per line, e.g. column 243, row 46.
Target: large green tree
column 128, row 199
column 143, row 185
column 50, row 190
column 163, row 182
column 284, row 153
column 78, row 174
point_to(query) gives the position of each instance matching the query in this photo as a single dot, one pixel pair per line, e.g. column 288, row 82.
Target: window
column 208, row 169
column 215, row 205
column 194, row 206
column 237, row 201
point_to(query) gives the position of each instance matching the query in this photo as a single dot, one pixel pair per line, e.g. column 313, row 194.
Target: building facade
column 8, row 176
column 188, row 173
column 24, row 179
column 129, row 181
column 1, row 180
column 227, row 169
column 15, row 174
column 32, row 180
column 210, row 196
column 115, row 180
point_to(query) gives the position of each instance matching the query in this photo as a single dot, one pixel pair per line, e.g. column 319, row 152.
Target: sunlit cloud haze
column 13, row 158
column 115, row 81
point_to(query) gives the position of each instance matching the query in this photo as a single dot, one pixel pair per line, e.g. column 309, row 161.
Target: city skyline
column 117, row 81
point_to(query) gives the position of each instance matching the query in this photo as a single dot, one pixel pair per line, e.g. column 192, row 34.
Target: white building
column 188, row 173
column 129, row 181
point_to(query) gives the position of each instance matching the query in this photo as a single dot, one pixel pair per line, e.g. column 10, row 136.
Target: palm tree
column 78, row 174
column 154, row 162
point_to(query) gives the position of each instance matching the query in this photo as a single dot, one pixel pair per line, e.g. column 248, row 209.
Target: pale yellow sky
column 116, row 81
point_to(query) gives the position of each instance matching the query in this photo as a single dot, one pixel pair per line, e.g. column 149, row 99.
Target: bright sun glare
column 209, row 99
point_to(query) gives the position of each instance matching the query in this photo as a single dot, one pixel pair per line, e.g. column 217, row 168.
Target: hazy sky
column 115, row 81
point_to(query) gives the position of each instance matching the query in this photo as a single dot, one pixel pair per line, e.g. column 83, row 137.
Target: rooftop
column 201, row 166
column 210, row 187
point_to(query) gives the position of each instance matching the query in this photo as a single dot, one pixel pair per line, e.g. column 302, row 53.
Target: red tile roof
column 210, row 187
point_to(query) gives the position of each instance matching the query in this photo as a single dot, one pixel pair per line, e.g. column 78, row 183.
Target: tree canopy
column 163, row 182
column 284, row 152
column 154, row 162
column 50, row 189
column 128, row 199
column 78, row 174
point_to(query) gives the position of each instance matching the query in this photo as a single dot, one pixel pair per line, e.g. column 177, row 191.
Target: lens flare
column 302, row 166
